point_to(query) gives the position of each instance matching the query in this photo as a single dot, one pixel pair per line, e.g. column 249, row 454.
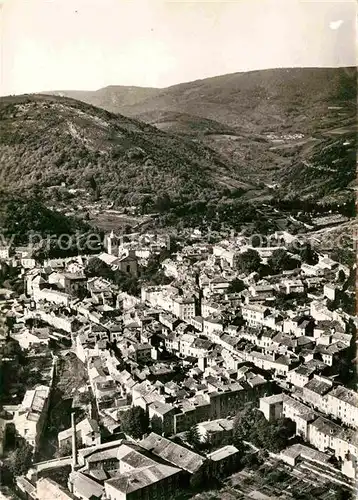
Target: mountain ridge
column 224, row 98
column 278, row 148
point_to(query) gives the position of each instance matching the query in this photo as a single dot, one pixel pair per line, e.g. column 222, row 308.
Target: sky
column 89, row 44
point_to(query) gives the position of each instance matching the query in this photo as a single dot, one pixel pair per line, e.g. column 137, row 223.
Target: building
column 155, row 482
column 46, row 488
column 127, row 263
column 5, row 252
column 29, row 418
column 254, row 315
column 293, row 286
column 142, row 353
column 87, row 434
column 342, row 403
column 299, row 413
column 314, row 391
column 184, row 308
column 49, row 295
column 70, row 283
column 224, row 461
column 161, row 417
column 84, row 487
column 272, row 407
column 216, row 432
column 329, row 291
column 297, row 452
column 301, row 375
column 173, row 453
column 325, row 435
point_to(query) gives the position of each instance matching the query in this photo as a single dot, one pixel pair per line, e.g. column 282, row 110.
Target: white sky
column 88, row 44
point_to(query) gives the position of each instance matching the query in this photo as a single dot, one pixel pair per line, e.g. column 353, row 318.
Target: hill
column 269, row 127
column 112, row 98
column 255, row 101
column 48, row 142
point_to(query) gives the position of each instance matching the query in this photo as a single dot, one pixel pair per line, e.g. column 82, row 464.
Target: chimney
column 74, row 444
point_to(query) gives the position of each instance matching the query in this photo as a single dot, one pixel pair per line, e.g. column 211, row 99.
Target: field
column 275, row 480
column 70, row 377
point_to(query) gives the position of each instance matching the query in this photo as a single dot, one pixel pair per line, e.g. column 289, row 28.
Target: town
column 157, row 369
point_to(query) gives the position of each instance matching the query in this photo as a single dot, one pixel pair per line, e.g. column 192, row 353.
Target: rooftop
column 172, row 452
column 223, row 453
column 139, row 479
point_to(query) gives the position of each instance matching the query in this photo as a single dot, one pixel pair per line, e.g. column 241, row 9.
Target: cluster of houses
column 192, row 353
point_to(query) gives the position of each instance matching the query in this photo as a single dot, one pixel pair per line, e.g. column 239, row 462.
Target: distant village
column 164, row 374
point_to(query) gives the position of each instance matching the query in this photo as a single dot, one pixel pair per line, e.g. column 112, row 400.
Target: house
column 216, row 432
column 272, row 407
column 293, row 286
column 332, row 353
column 215, row 285
column 30, row 417
column 299, row 325
column 224, row 461
column 226, row 254
column 296, row 452
column 70, row 283
column 300, row 375
column 197, row 322
column 145, row 393
column 279, row 364
column 49, row 295
column 326, row 435
column 127, row 263
column 142, row 353
column 161, row 416
column 87, row 434
column 325, row 262
column 342, row 403
column 262, row 291
column 299, row 413
column 254, row 315
column 28, row 261
column 329, row 291
column 27, row 338
column 314, row 391
column 212, row 325
column 184, row 308
column 5, row 252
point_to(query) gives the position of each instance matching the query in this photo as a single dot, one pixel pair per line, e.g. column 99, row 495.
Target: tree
column 308, row 255
column 280, row 261
column 135, row 422
column 341, row 276
column 156, row 424
column 20, row 459
column 12, row 349
column 163, row 203
column 96, row 267
column 192, row 436
column 251, row 425
column 65, row 450
column 236, row 286
column 249, row 261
